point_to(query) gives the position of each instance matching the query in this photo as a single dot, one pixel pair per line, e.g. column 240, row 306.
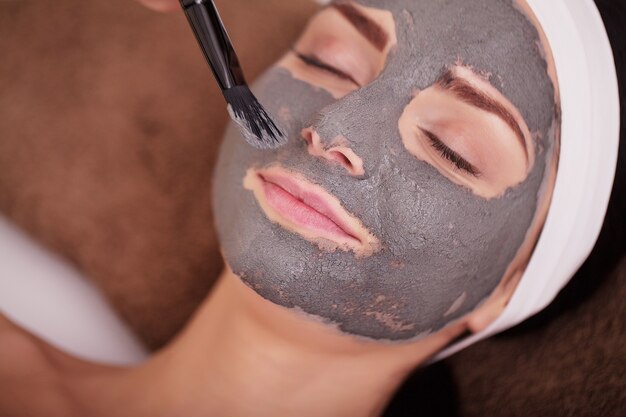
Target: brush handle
column 214, row 42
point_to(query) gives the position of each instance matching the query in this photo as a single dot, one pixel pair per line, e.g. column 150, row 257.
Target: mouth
column 308, row 210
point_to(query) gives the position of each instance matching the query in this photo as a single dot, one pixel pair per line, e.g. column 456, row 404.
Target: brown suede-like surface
column 109, row 124
column 568, row 361
column 575, row 365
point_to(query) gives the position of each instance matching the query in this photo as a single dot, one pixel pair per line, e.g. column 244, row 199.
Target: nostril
column 347, row 158
column 307, row 135
column 341, row 158
column 342, row 155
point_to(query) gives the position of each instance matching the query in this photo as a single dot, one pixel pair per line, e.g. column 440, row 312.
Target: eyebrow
column 474, row 97
column 371, row 30
column 316, row 62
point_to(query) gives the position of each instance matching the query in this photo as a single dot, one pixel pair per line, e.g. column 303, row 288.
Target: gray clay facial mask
column 442, row 249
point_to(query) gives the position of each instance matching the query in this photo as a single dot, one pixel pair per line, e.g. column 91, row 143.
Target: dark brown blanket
column 109, row 123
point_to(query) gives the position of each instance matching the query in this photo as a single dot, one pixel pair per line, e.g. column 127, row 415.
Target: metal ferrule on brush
column 257, row 126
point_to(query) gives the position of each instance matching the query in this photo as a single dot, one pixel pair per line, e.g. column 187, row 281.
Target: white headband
column 587, row 161
column 588, row 157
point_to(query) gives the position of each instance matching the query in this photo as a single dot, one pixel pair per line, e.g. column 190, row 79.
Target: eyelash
column 313, row 61
column 450, row 155
column 435, row 142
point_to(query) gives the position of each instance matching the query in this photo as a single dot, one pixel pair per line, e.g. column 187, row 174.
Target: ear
column 479, row 319
column 486, row 313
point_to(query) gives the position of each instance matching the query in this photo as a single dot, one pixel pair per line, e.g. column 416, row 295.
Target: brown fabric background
column 109, row 123
column 569, row 361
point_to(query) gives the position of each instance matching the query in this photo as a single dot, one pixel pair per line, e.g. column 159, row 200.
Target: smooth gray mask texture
column 439, row 240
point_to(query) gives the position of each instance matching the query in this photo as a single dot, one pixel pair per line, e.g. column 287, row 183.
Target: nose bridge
column 353, row 121
column 329, row 123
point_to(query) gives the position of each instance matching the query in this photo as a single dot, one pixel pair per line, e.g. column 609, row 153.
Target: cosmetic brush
column 255, row 123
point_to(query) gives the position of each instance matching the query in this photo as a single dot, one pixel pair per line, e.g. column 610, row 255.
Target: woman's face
column 420, row 134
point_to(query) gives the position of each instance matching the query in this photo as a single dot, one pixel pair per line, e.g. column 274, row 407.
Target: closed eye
column 313, row 61
column 458, row 161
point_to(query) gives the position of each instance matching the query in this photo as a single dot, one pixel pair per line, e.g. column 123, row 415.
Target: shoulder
column 32, row 384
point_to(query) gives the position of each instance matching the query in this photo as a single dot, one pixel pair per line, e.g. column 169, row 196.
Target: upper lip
column 317, row 199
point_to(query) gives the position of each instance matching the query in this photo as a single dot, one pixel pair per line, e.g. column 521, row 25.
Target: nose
column 338, row 152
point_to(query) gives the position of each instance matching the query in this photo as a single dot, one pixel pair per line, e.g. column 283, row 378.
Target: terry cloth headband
column 587, row 158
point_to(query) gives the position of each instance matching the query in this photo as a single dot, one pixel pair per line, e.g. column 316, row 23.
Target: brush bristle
column 257, row 126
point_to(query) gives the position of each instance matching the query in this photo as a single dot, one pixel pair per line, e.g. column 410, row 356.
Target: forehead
column 493, row 37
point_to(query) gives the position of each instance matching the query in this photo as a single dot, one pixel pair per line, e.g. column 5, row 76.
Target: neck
column 242, row 355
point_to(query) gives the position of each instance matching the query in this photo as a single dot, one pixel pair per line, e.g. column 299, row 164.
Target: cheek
column 442, row 226
column 294, row 102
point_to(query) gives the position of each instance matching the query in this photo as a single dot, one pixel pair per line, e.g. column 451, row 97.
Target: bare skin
column 239, row 356
column 234, row 358
column 161, row 5
column 496, row 164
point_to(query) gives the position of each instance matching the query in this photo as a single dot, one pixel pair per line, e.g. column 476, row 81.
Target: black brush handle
column 214, row 42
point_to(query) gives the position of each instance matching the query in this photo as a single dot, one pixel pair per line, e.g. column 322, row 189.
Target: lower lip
column 300, row 213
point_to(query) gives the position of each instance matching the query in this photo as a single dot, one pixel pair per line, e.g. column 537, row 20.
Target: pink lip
column 290, row 200
column 307, row 208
